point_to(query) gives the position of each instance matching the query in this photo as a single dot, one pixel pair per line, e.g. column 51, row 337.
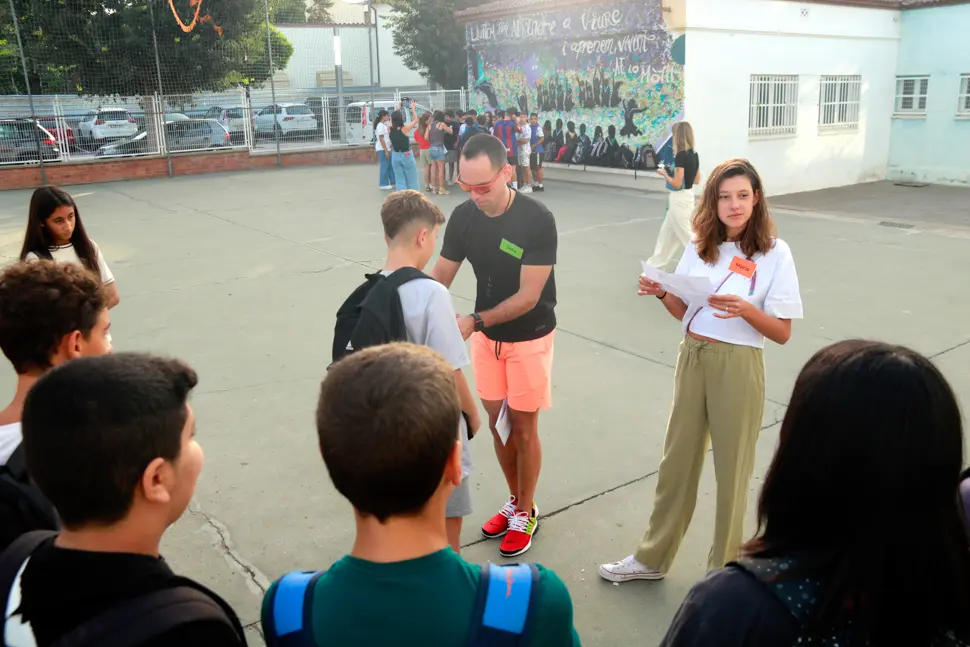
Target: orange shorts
column 518, row 371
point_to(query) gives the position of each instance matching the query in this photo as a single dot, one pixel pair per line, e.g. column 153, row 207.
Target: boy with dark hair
column 111, row 442
column 506, row 130
column 49, row 313
column 411, row 223
column 387, row 424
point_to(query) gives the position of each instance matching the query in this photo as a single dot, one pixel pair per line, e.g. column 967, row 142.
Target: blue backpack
column 503, row 608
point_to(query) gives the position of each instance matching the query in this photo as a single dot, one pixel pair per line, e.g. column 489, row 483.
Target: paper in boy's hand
column 504, row 424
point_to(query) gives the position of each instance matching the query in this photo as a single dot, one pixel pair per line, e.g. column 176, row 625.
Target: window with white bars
column 911, row 93
column 773, row 106
column 963, row 106
column 838, row 102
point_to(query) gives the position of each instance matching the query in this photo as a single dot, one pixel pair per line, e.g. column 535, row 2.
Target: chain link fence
column 108, row 79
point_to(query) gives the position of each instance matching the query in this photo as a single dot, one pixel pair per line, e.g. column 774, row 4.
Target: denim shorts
column 438, row 153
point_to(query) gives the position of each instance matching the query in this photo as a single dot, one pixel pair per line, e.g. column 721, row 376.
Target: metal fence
column 90, row 80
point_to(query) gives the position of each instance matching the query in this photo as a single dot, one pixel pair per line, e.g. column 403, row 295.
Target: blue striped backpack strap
column 291, row 609
column 503, row 608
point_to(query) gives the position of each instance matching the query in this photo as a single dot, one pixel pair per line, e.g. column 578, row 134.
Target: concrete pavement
column 241, row 274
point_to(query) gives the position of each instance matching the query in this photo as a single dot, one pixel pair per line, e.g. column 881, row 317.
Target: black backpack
column 24, row 507
column 372, row 314
column 470, row 132
column 133, row 622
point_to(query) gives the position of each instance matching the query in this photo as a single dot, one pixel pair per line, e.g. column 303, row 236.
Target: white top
column 429, row 318
column 10, row 437
column 67, row 254
column 775, row 292
column 523, row 137
column 382, row 129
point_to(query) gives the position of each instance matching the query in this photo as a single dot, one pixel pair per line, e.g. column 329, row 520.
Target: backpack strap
column 503, row 608
column 290, row 621
column 798, row 594
column 965, row 497
column 149, row 616
column 14, row 557
column 16, row 468
column 399, row 277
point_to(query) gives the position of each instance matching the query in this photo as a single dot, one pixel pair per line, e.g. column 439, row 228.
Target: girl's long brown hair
column 709, row 232
column 38, row 240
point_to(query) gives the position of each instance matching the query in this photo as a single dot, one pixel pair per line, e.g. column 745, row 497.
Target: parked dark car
column 24, row 140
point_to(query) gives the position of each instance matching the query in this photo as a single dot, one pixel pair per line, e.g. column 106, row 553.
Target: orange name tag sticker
column 743, row 267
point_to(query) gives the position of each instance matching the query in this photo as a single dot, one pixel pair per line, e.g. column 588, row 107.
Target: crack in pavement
column 591, row 497
column 952, row 348
column 254, row 577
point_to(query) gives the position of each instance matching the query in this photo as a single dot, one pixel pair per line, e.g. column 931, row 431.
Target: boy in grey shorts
column 411, row 222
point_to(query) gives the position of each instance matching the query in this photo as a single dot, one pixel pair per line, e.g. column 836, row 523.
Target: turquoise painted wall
column 934, row 41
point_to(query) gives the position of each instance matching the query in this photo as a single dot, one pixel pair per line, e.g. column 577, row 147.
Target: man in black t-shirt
column 510, row 241
column 110, row 441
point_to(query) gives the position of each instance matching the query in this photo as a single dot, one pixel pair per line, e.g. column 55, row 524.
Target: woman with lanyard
column 382, row 145
column 719, row 383
column 402, row 157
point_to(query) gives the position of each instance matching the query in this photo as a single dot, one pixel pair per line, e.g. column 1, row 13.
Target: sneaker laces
column 508, row 510
column 520, row 522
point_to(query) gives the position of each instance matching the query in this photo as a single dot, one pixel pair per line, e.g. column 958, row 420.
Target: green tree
column 282, row 12
column 105, row 47
column 319, row 11
column 429, row 40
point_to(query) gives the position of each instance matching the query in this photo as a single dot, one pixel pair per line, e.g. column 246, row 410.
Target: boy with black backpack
column 404, row 304
column 110, row 441
column 387, row 425
column 49, row 313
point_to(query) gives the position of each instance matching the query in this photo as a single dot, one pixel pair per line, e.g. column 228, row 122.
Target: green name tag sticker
column 511, row 249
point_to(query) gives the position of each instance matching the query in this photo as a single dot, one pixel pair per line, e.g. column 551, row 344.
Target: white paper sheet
column 691, row 289
column 504, row 424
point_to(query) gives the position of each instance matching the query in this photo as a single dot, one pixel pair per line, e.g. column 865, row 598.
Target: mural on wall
column 598, row 65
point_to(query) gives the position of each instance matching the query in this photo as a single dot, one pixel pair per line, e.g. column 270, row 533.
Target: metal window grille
column 773, row 105
column 963, row 104
column 911, row 94
column 838, row 104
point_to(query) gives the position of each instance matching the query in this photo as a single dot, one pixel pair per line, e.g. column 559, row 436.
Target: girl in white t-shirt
column 55, row 232
column 719, row 384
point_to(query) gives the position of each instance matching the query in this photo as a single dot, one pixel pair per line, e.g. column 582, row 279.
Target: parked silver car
column 25, row 140
column 180, row 136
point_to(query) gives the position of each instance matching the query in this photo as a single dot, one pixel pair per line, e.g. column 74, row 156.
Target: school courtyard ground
column 241, row 274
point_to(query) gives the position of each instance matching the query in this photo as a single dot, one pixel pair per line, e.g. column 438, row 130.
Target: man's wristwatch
column 479, row 324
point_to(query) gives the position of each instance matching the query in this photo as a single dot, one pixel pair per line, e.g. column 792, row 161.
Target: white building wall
column 730, row 40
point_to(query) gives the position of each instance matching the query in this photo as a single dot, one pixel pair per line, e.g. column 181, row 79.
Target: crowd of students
column 862, row 536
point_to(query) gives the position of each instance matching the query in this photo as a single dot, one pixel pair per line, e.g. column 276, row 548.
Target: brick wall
column 88, row 172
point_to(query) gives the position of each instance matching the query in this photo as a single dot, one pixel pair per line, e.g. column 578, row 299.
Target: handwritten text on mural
column 591, row 21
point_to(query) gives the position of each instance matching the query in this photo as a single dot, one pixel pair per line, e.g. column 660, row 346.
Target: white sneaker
column 387, row 187
column 628, row 569
column 525, row 189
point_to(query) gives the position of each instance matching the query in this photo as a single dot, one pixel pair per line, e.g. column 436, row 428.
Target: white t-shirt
column 429, row 318
column 382, row 129
column 525, row 145
column 10, row 438
column 775, row 292
column 67, row 254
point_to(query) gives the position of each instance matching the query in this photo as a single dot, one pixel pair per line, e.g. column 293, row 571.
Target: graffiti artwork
column 610, row 67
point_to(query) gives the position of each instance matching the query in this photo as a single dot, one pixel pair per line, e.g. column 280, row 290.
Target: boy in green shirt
column 388, row 421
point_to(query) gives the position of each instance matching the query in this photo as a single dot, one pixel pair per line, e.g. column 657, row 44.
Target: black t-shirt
column 400, row 143
column 690, row 162
column 451, row 139
column 497, row 248
column 731, row 608
column 61, row 589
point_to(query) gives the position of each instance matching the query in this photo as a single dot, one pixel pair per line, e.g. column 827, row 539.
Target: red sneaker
column 499, row 524
column 522, row 526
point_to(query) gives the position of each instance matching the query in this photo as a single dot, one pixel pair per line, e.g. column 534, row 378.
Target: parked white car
column 287, row 118
column 107, row 124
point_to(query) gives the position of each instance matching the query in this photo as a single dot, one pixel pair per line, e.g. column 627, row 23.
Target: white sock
column 515, row 185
